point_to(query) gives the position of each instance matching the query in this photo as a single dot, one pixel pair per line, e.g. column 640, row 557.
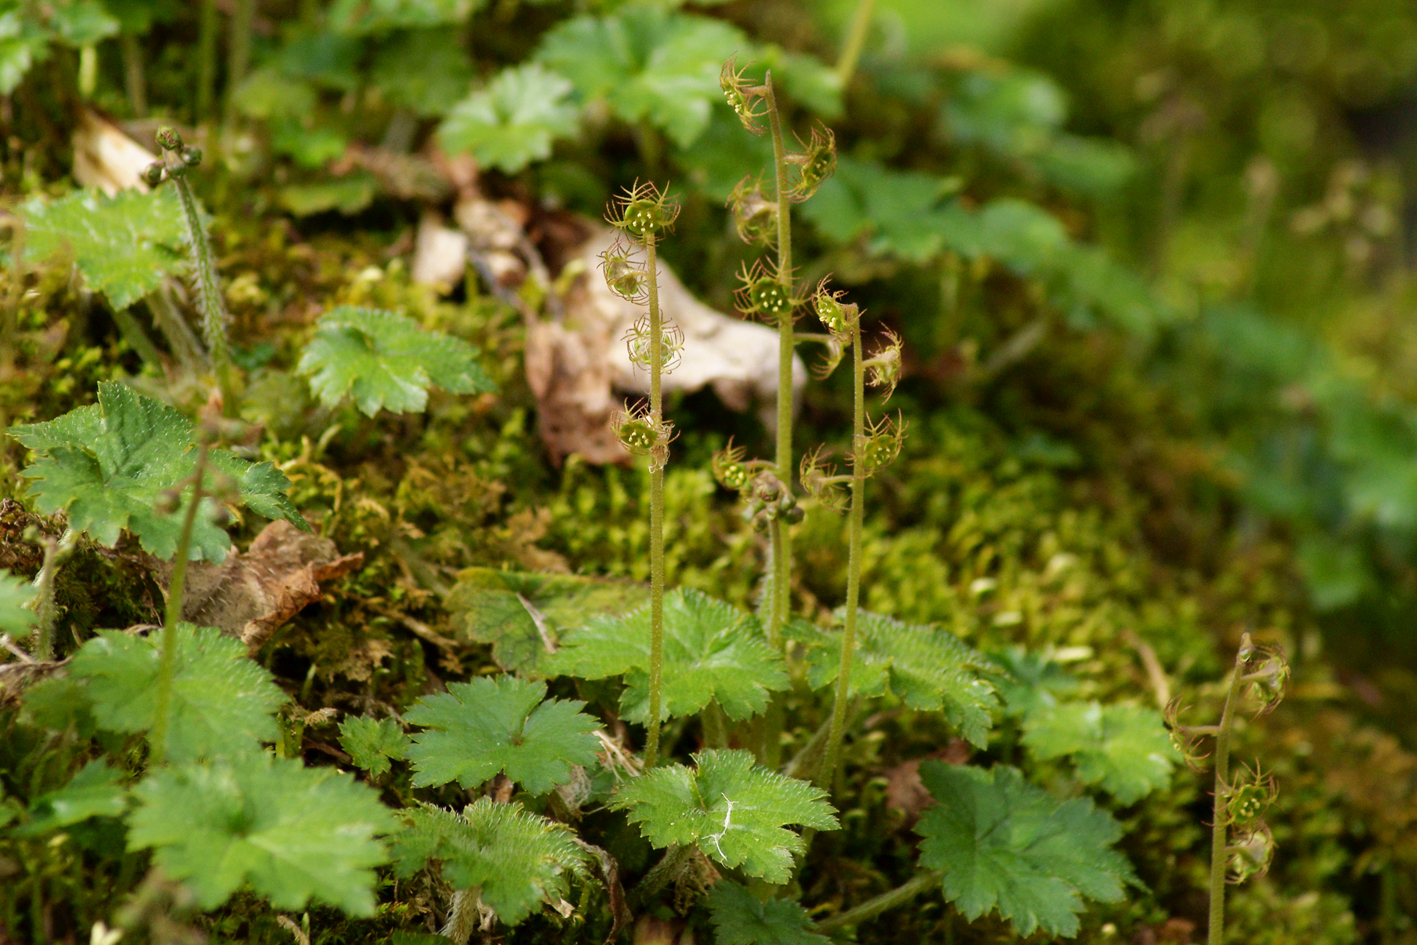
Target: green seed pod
column 815, row 163
column 745, row 100
column 643, row 211
column 729, row 469
column 754, row 215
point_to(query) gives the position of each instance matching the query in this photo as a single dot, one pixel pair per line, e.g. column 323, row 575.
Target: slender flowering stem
column 886, row 901
column 855, row 526
column 782, row 563
column 656, row 510
column 1215, row 934
column 168, row 659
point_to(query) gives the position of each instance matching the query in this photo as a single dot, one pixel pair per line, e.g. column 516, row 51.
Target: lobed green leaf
column 500, row 724
column 741, row 918
column 106, row 465
column 1124, row 749
column 222, row 702
column 514, row 120
column 16, row 595
column 373, row 742
column 1007, row 845
column 732, row 809
column 712, row 651
column 515, row 859
column 384, row 360
column 293, row 833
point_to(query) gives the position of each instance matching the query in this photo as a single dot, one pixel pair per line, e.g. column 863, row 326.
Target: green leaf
column 16, row 594
column 500, row 724
column 1123, row 748
column 124, row 245
column 222, row 702
column 371, row 743
column 81, row 22
column 365, row 17
column 425, row 71
column 1034, row 681
column 711, row 651
column 741, row 918
column 1005, row 844
column 96, row 791
column 382, row 359
column 648, row 63
column 348, row 195
column 23, row 42
column 514, row 120
column 107, row 464
column 293, row 833
column 522, row 615
column 927, row 668
column 733, row 810
column 899, row 210
column 515, row 859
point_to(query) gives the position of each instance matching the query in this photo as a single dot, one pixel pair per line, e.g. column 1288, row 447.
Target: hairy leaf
column 1005, row 844
column 499, row 724
column 293, row 833
column 523, row 615
column 516, row 859
column 16, row 593
column 711, row 651
column 222, row 702
column 107, row 464
column 927, row 668
column 741, row 918
column 371, row 743
column 514, row 120
column 124, row 245
column 733, row 810
column 1124, row 749
column 648, row 63
column 382, row 359
column 96, row 791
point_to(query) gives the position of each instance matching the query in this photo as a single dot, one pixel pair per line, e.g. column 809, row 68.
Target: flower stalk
column 644, row 212
column 177, row 159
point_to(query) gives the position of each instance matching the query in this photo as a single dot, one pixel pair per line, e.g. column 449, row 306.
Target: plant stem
column 882, row 903
column 785, row 348
column 46, row 610
column 173, row 614
column 209, row 297
column 855, row 40
column 135, row 80
column 656, row 510
column 662, row 872
column 855, row 526
column 238, row 50
column 207, row 30
column 1215, row 933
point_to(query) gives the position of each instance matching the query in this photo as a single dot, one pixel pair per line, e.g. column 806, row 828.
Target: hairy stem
column 785, row 346
column 209, row 297
column 856, row 521
column 662, row 872
column 884, row 902
column 855, row 40
column 656, row 511
column 46, row 609
column 1215, row 933
column 167, row 660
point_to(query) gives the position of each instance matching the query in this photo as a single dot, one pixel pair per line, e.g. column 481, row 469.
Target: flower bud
column 152, row 174
column 191, row 156
column 754, row 215
column 815, row 162
column 168, row 138
column 729, row 469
